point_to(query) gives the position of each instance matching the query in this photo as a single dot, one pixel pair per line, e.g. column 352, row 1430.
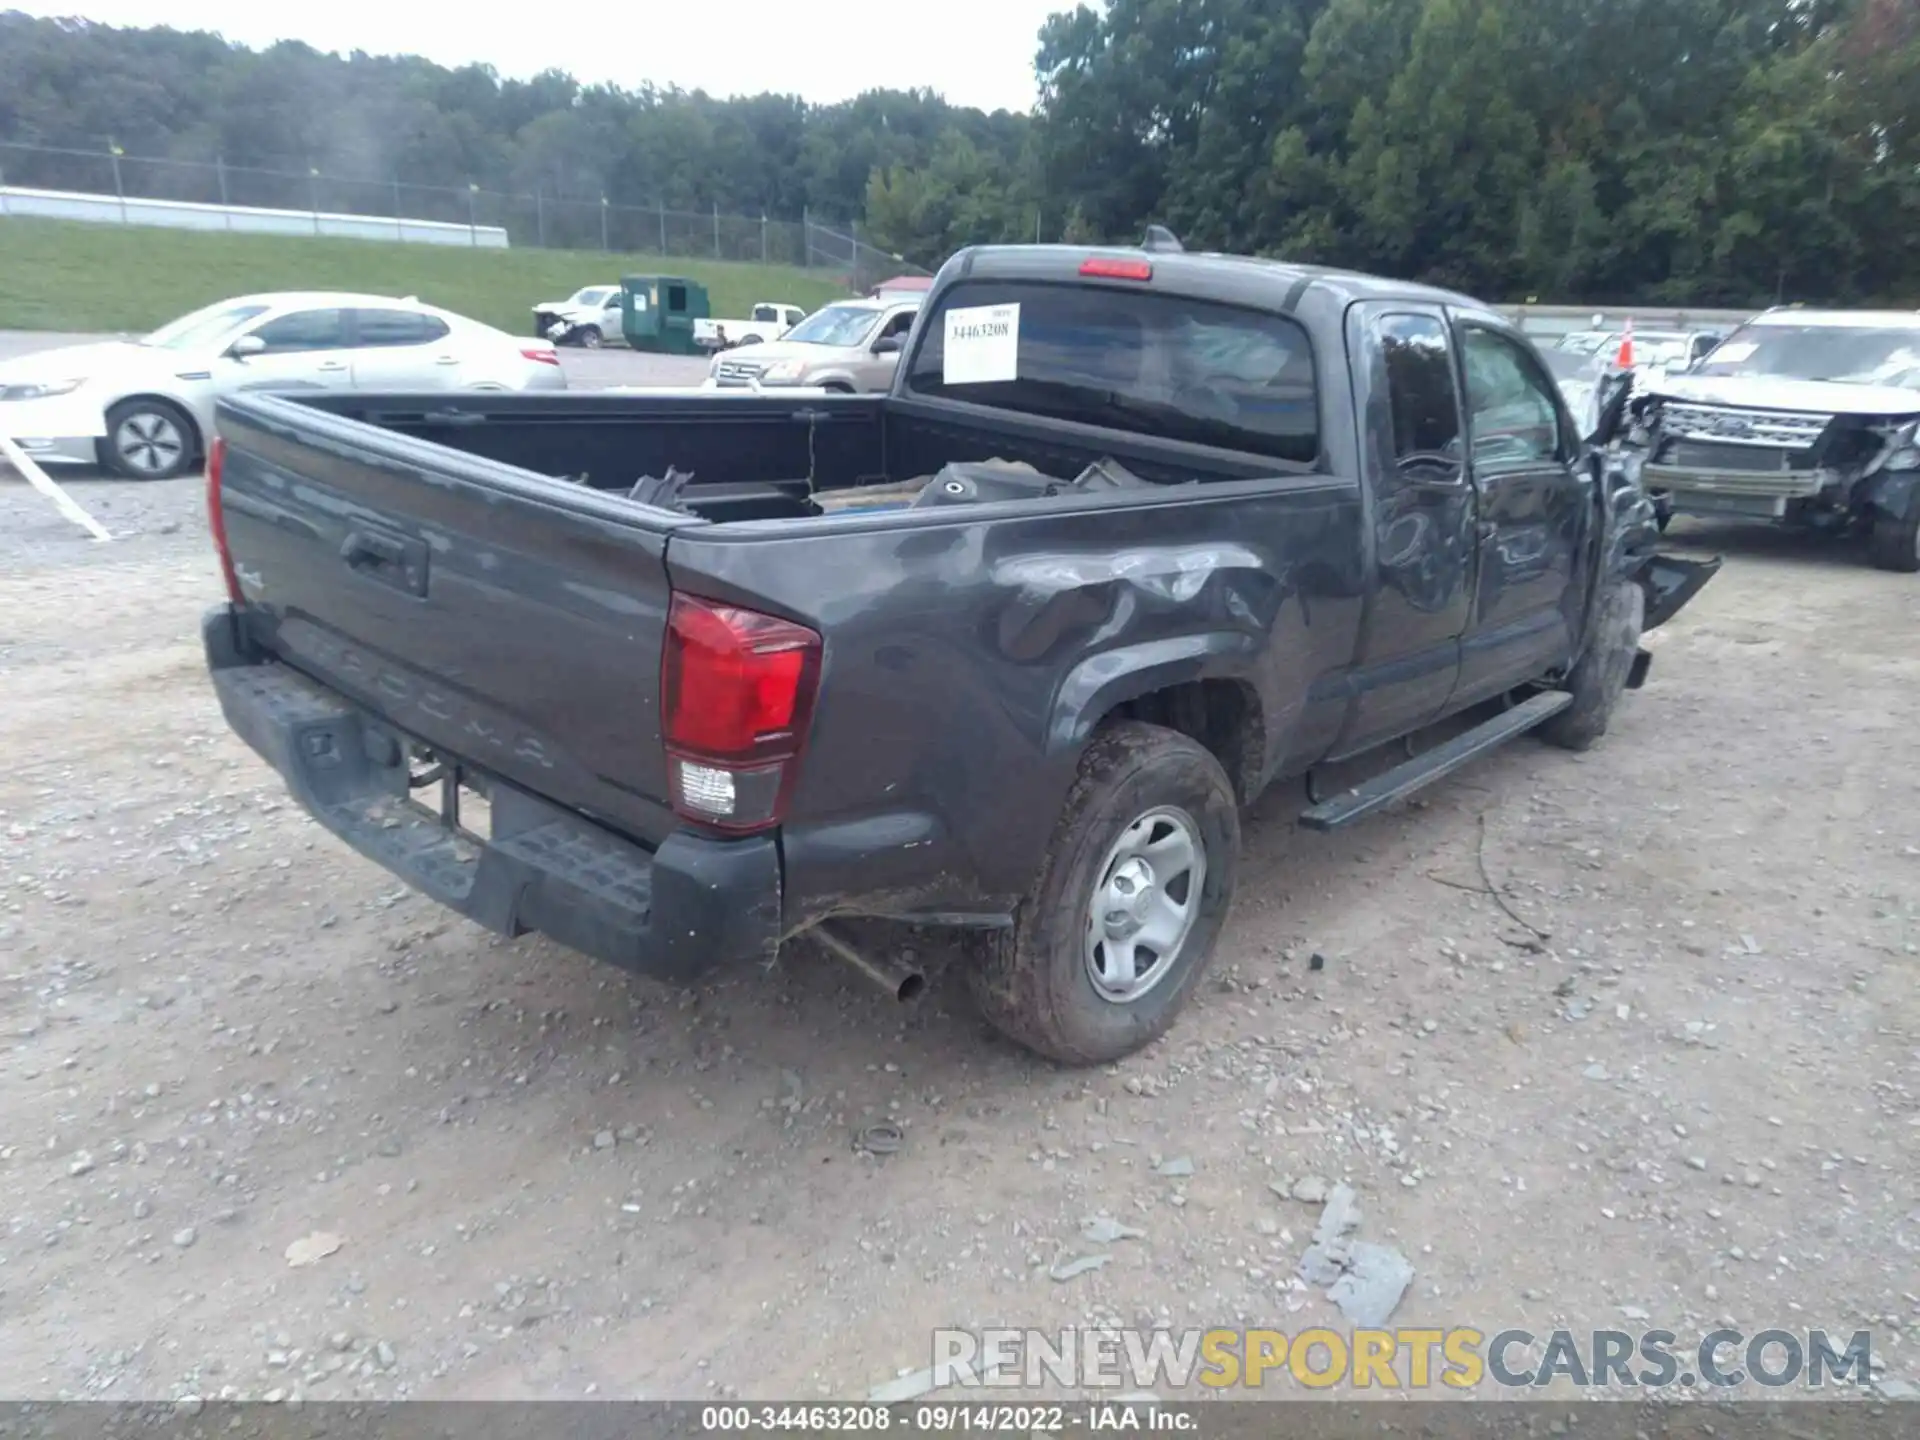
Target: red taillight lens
column 540, row 356
column 217, row 517
column 1106, row 267
column 737, row 691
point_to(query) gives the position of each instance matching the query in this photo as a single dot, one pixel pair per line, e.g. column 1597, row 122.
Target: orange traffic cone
column 1624, row 360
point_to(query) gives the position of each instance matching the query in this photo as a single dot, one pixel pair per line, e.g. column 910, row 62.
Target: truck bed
column 753, row 457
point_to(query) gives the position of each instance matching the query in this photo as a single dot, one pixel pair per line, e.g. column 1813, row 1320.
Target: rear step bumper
column 672, row 913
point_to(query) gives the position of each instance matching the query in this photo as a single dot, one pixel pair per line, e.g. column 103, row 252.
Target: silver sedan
column 144, row 408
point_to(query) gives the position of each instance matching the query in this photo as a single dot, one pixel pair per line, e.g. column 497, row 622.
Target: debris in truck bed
column 870, row 497
column 663, row 491
column 978, row 483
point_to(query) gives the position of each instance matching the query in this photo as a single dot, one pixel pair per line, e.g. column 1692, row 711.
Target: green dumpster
column 657, row 312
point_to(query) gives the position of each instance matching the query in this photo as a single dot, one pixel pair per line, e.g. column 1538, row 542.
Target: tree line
column 1686, row 151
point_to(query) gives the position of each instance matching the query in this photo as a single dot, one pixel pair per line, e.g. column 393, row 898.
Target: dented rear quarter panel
column 968, row 659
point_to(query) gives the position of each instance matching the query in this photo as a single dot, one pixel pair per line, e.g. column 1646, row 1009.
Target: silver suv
column 852, row 346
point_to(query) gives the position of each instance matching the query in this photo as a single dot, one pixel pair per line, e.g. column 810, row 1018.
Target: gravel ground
column 1696, row 1101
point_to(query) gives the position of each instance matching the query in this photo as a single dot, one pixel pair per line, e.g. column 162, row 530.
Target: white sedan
column 144, row 408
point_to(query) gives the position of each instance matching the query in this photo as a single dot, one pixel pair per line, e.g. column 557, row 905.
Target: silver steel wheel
column 1144, row 904
column 149, row 442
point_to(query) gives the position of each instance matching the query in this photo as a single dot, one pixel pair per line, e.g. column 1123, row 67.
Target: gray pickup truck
column 676, row 679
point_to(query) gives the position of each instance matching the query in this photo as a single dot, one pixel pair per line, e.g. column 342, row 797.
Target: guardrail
column 240, row 219
column 1549, row 322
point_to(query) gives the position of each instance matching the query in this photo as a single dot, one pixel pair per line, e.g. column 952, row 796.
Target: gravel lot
column 1696, row 1102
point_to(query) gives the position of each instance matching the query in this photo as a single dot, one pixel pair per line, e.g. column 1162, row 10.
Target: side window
column 304, row 330
column 676, row 297
column 387, row 328
column 898, row 325
column 764, row 313
column 1421, row 391
column 1511, row 413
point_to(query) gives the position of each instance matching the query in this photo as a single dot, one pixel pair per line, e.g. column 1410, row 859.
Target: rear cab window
column 1195, row 371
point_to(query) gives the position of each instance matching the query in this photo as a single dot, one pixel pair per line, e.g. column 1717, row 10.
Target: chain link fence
column 536, row 221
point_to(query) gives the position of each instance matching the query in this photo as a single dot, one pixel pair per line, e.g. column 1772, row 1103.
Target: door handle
column 390, row 559
column 330, row 366
column 446, row 360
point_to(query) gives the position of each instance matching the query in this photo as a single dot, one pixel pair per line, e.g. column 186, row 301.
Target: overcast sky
column 975, row 52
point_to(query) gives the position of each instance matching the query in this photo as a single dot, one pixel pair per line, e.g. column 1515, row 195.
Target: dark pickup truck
column 1135, row 534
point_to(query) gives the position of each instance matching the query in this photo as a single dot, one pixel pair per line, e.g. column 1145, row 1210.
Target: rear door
column 1422, row 513
column 1536, row 510
column 399, row 349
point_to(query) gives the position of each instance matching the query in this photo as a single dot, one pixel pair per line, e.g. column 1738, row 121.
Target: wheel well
column 1222, row 715
column 184, row 415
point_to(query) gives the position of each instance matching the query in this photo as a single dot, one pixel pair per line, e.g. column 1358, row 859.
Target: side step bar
column 1421, row 771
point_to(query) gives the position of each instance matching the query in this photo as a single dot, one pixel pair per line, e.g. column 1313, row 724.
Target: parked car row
column 659, row 313
column 851, row 346
column 144, row 407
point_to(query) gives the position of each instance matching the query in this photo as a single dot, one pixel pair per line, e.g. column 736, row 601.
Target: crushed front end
column 1816, row 469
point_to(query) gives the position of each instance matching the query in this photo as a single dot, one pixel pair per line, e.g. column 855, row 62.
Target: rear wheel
column 1600, row 678
column 149, row 440
column 1123, row 918
column 1894, row 543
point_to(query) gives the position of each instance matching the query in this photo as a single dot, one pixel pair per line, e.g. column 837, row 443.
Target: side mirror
column 246, row 345
column 887, row 345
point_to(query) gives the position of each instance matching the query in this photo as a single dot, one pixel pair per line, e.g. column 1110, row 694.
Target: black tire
column 1036, row 981
column 590, row 337
column 1600, row 678
column 836, row 387
column 149, row 439
column 1894, row 543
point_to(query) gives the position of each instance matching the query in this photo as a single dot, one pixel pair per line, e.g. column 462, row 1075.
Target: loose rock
column 1311, row 1190
column 1065, row 1270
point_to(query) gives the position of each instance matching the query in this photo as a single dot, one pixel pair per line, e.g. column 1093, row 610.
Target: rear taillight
column 217, row 517
column 737, row 690
column 540, row 354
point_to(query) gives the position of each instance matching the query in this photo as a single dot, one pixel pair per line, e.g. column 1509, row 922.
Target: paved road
column 586, row 369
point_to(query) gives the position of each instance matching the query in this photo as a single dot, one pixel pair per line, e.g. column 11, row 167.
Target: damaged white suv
column 1808, row 418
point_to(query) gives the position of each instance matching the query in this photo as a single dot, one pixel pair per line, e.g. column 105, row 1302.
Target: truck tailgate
column 512, row 621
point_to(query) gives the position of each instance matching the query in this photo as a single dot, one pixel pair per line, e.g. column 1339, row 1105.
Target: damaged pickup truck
column 1805, row 418
column 1135, row 535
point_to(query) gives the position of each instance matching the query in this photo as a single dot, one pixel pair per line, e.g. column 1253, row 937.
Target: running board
column 1416, row 774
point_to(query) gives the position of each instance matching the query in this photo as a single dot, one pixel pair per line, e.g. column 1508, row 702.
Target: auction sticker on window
column 982, row 345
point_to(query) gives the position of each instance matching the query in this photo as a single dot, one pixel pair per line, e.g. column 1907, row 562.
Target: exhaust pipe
column 903, row 982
